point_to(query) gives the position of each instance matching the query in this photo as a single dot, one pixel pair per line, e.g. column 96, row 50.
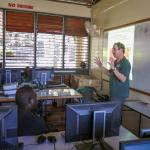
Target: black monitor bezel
column 122, row 144
column 14, row 71
column 34, row 73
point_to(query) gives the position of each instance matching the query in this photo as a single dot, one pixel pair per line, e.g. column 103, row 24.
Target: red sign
column 22, row 6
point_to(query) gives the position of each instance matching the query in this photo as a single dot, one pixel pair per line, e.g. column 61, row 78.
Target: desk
column 142, row 109
column 58, row 93
column 55, row 93
column 49, row 94
column 61, row 145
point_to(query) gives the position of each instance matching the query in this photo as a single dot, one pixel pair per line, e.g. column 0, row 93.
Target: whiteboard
column 141, row 56
column 141, row 59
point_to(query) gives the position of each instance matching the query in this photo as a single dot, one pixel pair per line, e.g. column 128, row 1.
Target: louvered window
column 49, row 44
column 43, row 40
column 1, row 36
column 76, row 43
column 19, row 39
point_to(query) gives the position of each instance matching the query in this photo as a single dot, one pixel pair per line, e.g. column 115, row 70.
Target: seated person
column 29, row 123
column 26, row 75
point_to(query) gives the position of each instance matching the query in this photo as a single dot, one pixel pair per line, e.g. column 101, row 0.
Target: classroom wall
column 49, row 7
column 113, row 13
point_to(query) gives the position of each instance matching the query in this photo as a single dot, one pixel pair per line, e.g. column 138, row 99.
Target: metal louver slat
column 49, row 50
column 76, row 51
column 19, row 49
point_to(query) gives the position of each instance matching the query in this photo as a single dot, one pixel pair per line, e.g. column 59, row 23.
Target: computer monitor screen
column 140, row 144
column 43, row 75
column 8, row 127
column 2, row 77
column 16, row 75
column 92, row 121
column 10, row 76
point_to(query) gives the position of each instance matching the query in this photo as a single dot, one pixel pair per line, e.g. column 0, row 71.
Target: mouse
column 51, row 139
column 41, row 139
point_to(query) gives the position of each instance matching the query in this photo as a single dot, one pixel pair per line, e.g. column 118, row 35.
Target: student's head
column 26, row 74
column 26, row 98
column 27, row 68
column 118, row 50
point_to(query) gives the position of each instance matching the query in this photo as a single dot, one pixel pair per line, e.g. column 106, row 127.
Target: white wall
column 113, row 13
column 50, row 7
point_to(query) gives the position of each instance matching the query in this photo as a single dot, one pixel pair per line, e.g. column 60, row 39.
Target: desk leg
column 62, row 79
column 78, row 100
column 81, row 100
column 139, row 132
column 42, row 108
column 68, row 100
column 40, row 111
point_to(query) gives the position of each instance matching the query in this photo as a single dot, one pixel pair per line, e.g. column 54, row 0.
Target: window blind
column 19, row 21
column 50, row 24
column 75, row 27
column 76, row 43
column 49, row 52
column 19, row 40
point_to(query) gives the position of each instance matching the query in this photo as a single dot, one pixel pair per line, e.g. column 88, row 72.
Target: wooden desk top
column 4, row 99
column 58, row 93
column 139, row 106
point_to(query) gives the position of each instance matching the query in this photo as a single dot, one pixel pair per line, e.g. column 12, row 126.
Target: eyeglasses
column 115, row 48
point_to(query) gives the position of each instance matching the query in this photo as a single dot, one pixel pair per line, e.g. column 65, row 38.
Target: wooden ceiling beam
column 87, row 3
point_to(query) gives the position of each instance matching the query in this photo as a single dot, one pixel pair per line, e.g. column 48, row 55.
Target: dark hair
column 120, row 46
column 24, row 96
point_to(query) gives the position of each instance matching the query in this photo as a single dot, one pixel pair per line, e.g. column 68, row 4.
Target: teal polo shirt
column 118, row 88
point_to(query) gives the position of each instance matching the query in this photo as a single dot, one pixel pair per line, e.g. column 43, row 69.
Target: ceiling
column 87, row 3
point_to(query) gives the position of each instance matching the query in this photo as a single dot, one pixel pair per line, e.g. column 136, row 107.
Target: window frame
column 63, row 69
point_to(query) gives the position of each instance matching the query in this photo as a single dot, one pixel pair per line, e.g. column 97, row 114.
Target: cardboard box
column 84, row 80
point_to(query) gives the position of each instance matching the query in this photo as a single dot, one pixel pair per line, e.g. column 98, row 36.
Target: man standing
column 119, row 73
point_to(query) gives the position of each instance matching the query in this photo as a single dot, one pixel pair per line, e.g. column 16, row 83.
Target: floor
column 56, row 117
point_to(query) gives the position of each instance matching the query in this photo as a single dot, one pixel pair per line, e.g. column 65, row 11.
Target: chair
column 87, row 93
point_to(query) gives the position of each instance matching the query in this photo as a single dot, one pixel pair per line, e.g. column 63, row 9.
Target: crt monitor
column 92, row 121
column 42, row 75
column 8, row 128
column 2, row 77
column 10, row 76
column 139, row 144
column 16, row 75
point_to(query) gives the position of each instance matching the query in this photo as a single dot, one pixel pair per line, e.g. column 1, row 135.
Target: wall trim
column 128, row 24
column 132, row 89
